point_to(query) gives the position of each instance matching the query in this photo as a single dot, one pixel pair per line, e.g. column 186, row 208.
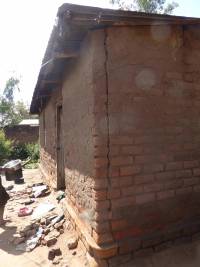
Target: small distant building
column 27, row 131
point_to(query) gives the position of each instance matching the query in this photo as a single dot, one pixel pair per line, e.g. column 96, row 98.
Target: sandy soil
column 186, row 255
column 10, row 257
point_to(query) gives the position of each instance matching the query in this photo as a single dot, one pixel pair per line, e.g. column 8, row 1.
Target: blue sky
column 25, row 27
column 189, row 8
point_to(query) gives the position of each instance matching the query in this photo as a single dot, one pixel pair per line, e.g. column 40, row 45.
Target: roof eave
column 73, row 23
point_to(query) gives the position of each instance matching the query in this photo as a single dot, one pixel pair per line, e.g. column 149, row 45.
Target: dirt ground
column 10, row 257
column 186, row 255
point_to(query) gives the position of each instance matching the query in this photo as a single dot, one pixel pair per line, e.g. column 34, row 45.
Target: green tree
column 148, row 6
column 11, row 86
column 7, row 101
column 21, row 111
column 11, row 112
column 5, row 148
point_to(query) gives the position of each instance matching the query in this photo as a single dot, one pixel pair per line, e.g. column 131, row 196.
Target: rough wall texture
column 48, row 139
column 22, row 134
column 78, row 126
column 131, row 136
column 151, row 194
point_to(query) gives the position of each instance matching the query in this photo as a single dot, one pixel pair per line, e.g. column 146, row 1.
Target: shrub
column 11, row 151
column 6, row 147
column 19, row 151
column 24, row 151
column 31, row 166
column 33, row 152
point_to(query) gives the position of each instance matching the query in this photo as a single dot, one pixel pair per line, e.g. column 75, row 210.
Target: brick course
column 22, row 134
column 132, row 145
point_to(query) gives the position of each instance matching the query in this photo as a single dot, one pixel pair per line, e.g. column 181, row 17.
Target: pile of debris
column 44, row 231
column 44, row 223
column 28, row 195
column 45, row 226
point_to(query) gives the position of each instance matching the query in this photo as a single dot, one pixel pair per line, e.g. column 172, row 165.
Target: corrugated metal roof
column 34, row 122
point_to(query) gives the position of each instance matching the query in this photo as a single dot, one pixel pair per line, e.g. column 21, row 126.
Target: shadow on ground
column 187, row 255
column 6, row 234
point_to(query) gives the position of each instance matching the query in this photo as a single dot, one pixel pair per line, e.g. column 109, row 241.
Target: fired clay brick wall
column 150, row 101
column 48, row 140
column 154, row 115
column 22, row 133
column 147, row 97
column 78, row 123
column 131, row 108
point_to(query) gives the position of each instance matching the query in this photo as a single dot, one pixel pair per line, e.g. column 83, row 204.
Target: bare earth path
column 187, row 255
column 10, row 257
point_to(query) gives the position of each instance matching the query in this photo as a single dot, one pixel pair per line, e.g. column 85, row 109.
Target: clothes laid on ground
column 3, row 195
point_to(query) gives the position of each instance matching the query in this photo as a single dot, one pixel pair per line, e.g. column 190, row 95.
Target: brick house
column 118, row 97
column 27, row 131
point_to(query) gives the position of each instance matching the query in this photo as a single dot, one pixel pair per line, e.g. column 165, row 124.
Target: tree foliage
column 11, row 85
column 11, row 112
column 5, row 147
column 24, row 151
column 10, row 150
column 21, row 111
column 148, row 6
column 7, row 102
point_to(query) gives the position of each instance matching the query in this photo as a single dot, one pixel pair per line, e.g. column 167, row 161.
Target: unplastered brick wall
column 48, row 168
column 131, row 136
column 48, row 146
column 147, row 144
column 22, row 134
